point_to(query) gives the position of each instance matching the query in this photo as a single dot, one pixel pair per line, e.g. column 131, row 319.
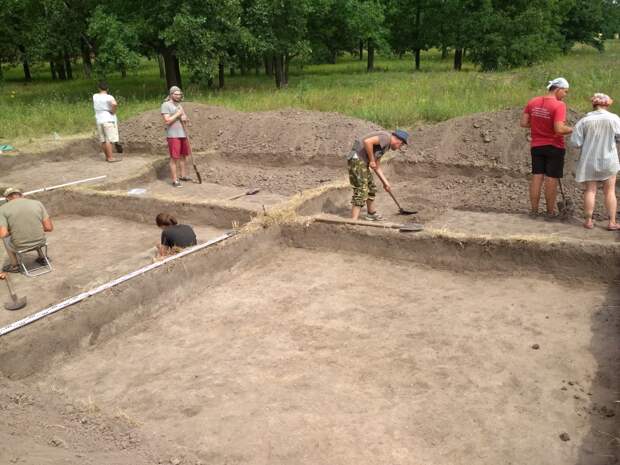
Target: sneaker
column 373, row 216
column 185, row 178
column 41, row 261
column 176, row 183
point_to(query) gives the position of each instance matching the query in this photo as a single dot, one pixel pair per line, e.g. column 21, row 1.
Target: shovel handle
column 395, row 201
column 11, row 291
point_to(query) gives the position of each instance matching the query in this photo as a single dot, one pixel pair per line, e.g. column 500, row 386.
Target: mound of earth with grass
column 283, row 135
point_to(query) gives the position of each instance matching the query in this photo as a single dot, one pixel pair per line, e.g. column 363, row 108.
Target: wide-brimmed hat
column 12, row 190
column 402, row 135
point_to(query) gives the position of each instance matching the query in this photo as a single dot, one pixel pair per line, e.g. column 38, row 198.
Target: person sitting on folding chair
column 23, row 224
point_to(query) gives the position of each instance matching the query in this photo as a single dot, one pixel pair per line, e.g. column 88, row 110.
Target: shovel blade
column 402, row 211
column 16, row 304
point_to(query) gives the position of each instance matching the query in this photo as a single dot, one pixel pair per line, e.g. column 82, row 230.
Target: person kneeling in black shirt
column 174, row 236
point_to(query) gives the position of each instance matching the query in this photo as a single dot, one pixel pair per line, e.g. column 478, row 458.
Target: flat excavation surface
column 87, row 251
column 317, row 357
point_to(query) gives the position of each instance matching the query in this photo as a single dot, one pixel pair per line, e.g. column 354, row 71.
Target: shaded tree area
column 211, row 37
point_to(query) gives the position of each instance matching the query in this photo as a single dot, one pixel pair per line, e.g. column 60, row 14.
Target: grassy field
column 392, row 96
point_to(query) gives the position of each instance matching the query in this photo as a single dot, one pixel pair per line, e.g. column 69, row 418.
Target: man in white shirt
column 105, row 114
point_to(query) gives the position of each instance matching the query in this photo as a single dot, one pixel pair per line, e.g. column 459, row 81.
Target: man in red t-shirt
column 546, row 118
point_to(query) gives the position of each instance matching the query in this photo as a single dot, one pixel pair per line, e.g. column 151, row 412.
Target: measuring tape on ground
column 84, row 295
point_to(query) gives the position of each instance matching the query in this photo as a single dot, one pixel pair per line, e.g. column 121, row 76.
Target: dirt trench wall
column 32, row 348
column 142, row 209
column 562, row 260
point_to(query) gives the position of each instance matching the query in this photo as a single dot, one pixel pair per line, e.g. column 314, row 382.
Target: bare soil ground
column 295, row 360
column 86, row 252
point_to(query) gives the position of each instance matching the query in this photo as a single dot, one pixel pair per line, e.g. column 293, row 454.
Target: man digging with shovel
column 364, row 158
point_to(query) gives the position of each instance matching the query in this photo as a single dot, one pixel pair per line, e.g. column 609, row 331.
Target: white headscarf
column 558, row 82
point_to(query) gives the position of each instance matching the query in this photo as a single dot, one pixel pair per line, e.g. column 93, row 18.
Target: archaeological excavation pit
column 487, row 338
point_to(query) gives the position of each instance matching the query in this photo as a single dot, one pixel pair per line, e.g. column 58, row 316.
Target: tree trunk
column 287, row 60
column 87, row 64
column 458, row 59
column 221, row 73
column 171, row 66
column 60, row 69
column 25, row 64
column 333, row 54
column 68, row 67
column 279, row 70
column 361, row 50
column 444, row 52
column 371, row 56
column 53, row 71
column 162, row 70
column 417, row 58
column 123, row 72
column 269, row 66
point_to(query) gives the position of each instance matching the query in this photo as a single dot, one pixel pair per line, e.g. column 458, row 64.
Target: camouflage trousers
column 363, row 182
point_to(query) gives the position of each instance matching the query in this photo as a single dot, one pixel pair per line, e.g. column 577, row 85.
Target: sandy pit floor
column 87, row 252
column 47, row 173
column 224, row 179
column 300, row 360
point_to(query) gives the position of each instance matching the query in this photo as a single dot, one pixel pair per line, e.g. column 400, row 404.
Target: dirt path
column 295, row 360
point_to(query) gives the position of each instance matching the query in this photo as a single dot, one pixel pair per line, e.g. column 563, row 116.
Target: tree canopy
column 210, row 36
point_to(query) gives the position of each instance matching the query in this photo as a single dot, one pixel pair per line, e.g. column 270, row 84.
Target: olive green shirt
column 23, row 218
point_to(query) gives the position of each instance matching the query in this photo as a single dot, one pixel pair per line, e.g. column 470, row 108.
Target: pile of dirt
column 292, row 136
column 480, row 141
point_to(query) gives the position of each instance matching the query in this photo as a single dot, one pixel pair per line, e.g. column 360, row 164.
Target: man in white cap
column 546, row 117
column 23, row 224
column 596, row 134
column 178, row 144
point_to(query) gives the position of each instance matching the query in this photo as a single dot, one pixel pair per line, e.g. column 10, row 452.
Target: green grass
column 392, row 96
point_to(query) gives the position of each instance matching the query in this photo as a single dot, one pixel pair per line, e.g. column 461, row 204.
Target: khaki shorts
column 108, row 132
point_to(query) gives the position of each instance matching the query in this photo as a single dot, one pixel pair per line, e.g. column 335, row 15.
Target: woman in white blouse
column 597, row 134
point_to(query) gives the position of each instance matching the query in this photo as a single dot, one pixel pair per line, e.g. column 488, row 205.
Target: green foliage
column 434, row 94
column 517, row 33
column 115, row 41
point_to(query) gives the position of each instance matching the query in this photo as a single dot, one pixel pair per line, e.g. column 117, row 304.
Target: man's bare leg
column 535, row 188
column 611, row 202
column 107, row 150
column 551, row 194
column 355, row 212
column 173, row 169
column 370, row 206
column 589, row 194
column 11, row 255
column 183, row 167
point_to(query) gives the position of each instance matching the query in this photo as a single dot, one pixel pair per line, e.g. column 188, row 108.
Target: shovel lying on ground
column 566, row 207
column 16, row 302
column 250, row 192
column 406, row 227
column 401, row 210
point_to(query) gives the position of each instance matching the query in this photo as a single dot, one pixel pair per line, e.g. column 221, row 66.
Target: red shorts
column 178, row 147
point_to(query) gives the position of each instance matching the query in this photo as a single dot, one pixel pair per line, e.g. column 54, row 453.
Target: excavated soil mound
column 483, row 140
column 291, row 136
